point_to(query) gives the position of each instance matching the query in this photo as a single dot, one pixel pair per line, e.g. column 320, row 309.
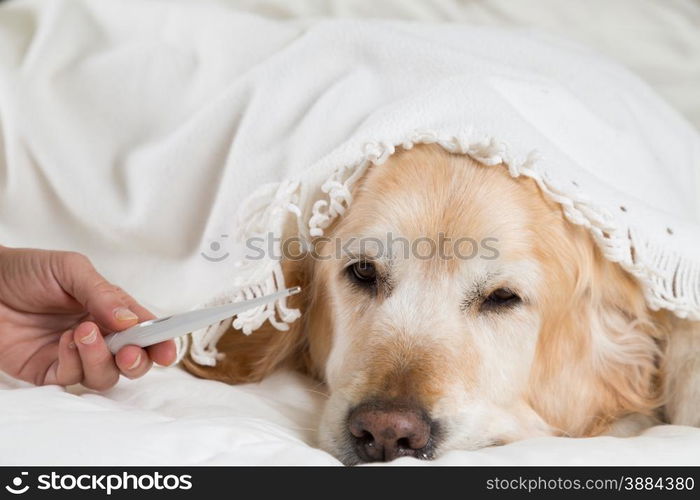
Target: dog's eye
column 363, row 272
column 501, row 297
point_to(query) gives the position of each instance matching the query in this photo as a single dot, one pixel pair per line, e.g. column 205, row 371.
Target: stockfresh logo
column 17, row 486
column 105, row 483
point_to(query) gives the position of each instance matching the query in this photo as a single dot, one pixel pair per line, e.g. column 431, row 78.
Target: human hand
column 55, row 309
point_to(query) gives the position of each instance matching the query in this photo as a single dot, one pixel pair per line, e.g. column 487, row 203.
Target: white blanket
column 138, row 132
column 133, row 131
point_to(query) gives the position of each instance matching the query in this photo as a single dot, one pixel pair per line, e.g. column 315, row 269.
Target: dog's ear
column 598, row 350
column 249, row 358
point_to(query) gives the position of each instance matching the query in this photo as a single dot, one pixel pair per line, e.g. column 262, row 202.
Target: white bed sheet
column 170, row 417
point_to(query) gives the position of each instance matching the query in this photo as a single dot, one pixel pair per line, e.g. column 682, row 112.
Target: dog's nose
column 383, row 432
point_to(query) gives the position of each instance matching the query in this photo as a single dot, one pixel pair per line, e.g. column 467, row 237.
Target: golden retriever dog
column 444, row 348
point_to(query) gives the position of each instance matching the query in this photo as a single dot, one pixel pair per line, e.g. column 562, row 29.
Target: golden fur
column 581, row 352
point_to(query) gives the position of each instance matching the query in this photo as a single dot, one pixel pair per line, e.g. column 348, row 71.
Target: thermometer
column 170, row 327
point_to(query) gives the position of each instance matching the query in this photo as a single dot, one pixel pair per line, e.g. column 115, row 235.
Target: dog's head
column 452, row 307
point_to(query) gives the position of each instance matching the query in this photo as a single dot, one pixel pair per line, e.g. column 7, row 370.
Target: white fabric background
column 657, row 39
column 170, row 417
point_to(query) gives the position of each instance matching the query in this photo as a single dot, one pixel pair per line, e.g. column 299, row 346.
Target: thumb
column 107, row 303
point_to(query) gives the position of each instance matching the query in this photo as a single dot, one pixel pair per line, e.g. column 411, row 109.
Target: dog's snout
column 383, row 432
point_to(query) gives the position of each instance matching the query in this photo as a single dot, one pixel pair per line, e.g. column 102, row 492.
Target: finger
column 133, row 361
column 100, row 372
column 108, row 304
column 163, row 353
column 143, row 313
column 69, row 370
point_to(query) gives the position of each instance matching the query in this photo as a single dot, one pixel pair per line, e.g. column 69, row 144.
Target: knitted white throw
column 148, row 134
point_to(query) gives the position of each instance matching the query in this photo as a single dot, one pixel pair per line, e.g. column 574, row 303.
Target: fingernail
column 136, row 362
column 90, row 337
column 124, row 314
column 169, row 363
